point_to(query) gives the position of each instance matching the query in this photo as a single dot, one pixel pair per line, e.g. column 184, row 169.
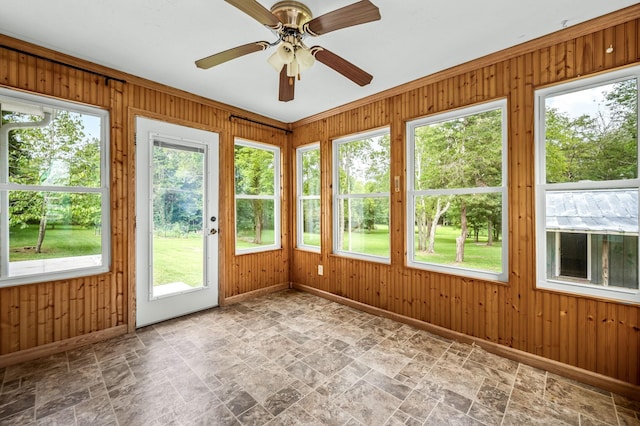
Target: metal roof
column 596, row 211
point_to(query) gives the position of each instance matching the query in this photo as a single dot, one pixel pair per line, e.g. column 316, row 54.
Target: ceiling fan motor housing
column 292, row 14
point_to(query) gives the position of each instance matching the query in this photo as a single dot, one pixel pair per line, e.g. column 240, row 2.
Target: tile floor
column 292, row 358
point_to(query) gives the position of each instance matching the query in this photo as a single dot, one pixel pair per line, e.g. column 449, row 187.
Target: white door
column 176, row 220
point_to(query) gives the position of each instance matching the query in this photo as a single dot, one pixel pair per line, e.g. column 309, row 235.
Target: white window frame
column 277, row 243
column 412, row 193
column 35, row 103
column 300, row 151
column 542, row 281
column 337, row 197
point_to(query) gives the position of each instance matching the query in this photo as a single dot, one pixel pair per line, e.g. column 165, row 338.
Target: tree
column 254, row 171
column 55, row 155
column 461, row 153
column 363, row 168
column 600, row 145
column 311, row 186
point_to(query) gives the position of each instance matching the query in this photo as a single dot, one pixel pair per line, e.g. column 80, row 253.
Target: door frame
column 144, row 129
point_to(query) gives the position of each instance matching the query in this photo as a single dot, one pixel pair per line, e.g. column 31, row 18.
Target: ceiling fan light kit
column 292, row 22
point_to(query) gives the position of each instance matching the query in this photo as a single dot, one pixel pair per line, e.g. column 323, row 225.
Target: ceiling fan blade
column 287, row 86
column 257, row 12
column 227, row 55
column 354, row 14
column 342, row 66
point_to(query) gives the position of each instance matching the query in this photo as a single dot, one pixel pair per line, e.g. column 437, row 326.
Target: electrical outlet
column 320, row 270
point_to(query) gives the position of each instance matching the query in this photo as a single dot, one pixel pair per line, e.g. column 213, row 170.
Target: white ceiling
column 160, row 40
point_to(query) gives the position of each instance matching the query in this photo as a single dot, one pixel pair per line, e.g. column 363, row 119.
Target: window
column 54, row 189
column 257, row 183
column 361, row 195
column 457, row 192
column 587, row 186
column 308, row 191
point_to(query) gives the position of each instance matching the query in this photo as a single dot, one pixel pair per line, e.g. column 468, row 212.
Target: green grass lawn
column 180, row 259
column 476, row 255
column 375, row 242
column 61, row 241
column 244, row 239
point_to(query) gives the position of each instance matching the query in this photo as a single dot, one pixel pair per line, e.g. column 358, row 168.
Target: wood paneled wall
column 596, row 335
column 57, row 313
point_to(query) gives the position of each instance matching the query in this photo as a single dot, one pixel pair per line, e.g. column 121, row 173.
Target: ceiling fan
column 292, row 22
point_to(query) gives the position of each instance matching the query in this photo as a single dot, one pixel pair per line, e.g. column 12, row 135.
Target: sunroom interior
column 492, row 202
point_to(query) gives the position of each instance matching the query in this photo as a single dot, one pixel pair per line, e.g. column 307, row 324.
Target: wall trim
column 61, row 346
column 253, row 294
column 585, row 376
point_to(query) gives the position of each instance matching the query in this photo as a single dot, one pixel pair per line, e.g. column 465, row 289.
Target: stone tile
column 461, row 381
column 292, row 358
column 589, row 421
column 427, row 344
column 626, row 418
column 62, row 382
column 624, row 402
column 327, row 361
column 241, row 403
column 492, row 397
column 326, row 411
column 219, row 415
column 254, row 416
column 65, row 416
column 38, row 367
column 418, row 405
column 281, row 400
column 294, row 416
column 117, row 347
column 15, row 402
column 24, row 417
column 484, row 414
column 306, row 374
column 579, row 384
column 585, row 401
column 386, row 362
column 264, row 381
column 444, row 415
column 368, row 404
column 336, row 385
column 531, row 380
column 494, row 361
column 95, row 412
column 58, row 404
column 388, row 384
column 144, row 400
column 117, row 376
column 484, row 370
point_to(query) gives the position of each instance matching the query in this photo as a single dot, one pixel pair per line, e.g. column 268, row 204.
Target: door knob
column 213, row 231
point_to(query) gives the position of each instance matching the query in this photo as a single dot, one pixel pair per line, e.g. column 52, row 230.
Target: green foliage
column 596, row 146
column 178, row 177
column 363, row 168
column 254, row 175
column 464, row 152
column 57, row 155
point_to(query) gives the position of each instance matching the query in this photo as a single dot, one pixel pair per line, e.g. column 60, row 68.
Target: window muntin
column 308, row 197
column 257, row 196
column 587, row 186
column 456, row 171
column 54, row 189
column 361, row 166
